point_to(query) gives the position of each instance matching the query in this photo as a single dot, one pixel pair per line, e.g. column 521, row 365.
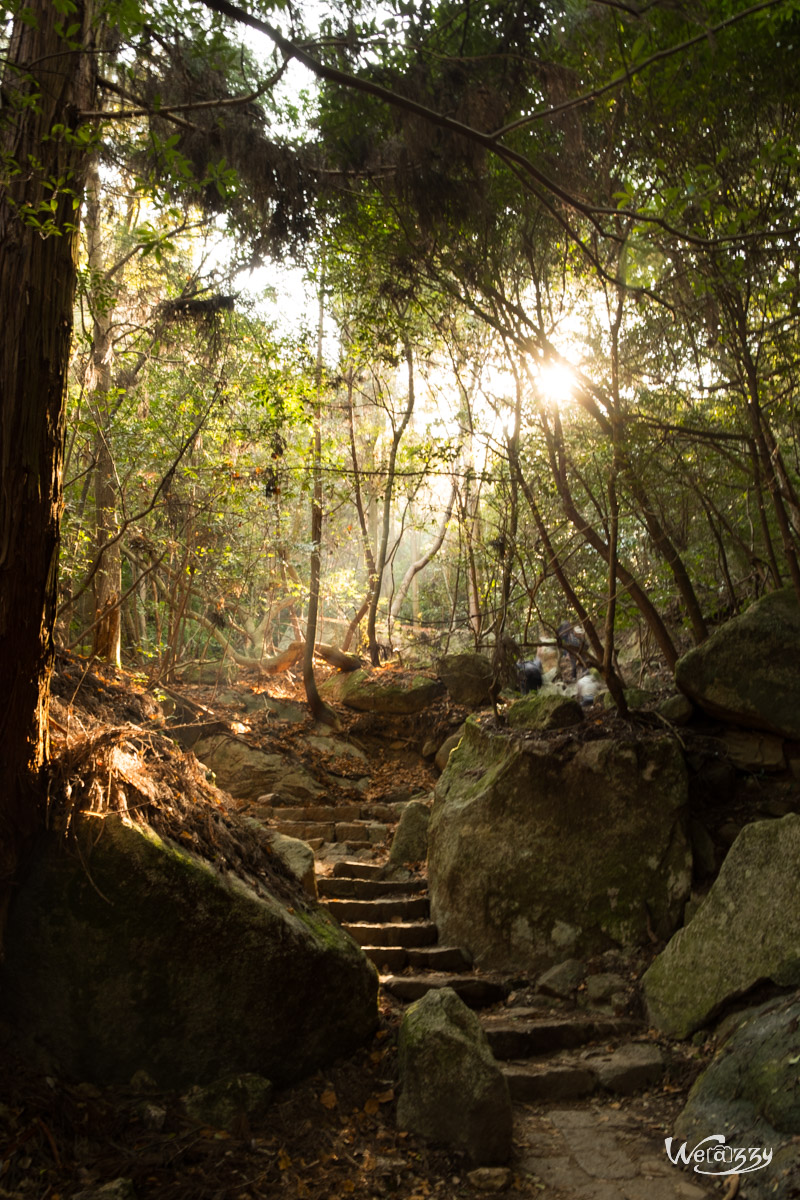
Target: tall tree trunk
column 758, row 425
column 397, row 437
column 37, row 290
column 319, row 709
column 358, row 496
column 107, row 581
column 504, row 669
column 471, row 526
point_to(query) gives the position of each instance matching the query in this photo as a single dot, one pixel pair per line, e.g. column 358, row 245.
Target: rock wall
column 540, row 848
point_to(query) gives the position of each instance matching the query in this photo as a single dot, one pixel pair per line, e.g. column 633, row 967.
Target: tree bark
column 37, row 290
column 369, row 557
column 319, row 709
column 108, row 550
column 397, row 437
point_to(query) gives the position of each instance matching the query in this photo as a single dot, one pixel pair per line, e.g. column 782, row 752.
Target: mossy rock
column 544, row 710
column 453, row 1091
column 136, row 955
column 746, row 931
column 467, row 677
column 390, row 692
column 750, row 1093
column 538, row 853
column 410, row 841
column 748, row 671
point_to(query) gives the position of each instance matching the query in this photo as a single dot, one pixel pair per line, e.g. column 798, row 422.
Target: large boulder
column 248, row 773
column 134, row 954
column 467, row 677
column 453, row 1090
column 747, row 930
column 749, row 1093
column 539, row 850
column 389, row 692
column 748, row 671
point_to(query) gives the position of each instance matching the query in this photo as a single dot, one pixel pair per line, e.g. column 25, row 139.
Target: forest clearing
column 399, row 598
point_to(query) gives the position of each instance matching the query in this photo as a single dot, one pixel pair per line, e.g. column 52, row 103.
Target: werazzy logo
column 713, row 1157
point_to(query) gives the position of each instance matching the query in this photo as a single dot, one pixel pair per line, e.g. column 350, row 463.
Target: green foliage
column 636, row 214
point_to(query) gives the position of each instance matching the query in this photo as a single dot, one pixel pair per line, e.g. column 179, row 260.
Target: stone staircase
column 355, row 827
column 570, row 1055
column 390, row 920
column 553, row 1051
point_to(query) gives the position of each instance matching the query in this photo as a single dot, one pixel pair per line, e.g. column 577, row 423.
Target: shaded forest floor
column 331, row 1136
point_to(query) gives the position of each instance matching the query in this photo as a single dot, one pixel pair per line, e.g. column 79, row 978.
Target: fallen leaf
column 385, row 1097
column 328, row 1098
column 372, row 1106
column 284, row 1162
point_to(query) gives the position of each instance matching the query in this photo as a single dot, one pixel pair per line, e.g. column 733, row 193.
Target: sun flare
column 556, row 383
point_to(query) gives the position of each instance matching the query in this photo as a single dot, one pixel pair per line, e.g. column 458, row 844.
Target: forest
column 372, row 332
column 544, row 366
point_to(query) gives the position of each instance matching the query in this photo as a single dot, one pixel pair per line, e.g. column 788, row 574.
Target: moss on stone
column 145, row 958
column 526, row 842
column 544, row 710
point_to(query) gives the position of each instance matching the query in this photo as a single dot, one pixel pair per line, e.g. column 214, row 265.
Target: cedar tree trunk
column 37, row 286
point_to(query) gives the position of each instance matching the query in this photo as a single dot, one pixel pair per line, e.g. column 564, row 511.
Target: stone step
column 372, row 832
column 416, row 933
column 307, row 830
column 367, row 889
column 343, row 869
column 374, row 911
column 387, row 958
column 390, row 813
column 632, row 1067
column 514, row 1037
column 474, row 990
column 440, row 958
column 528, row 1082
column 356, row 833
column 314, row 812
column 437, row 958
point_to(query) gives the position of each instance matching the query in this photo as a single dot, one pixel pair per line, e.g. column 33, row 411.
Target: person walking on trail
column 571, row 640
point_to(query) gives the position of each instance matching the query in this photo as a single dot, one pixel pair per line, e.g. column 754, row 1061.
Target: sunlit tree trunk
column 319, row 709
column 358, row 497
column 37, row 290
column 107, row 581
column 397, row 437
